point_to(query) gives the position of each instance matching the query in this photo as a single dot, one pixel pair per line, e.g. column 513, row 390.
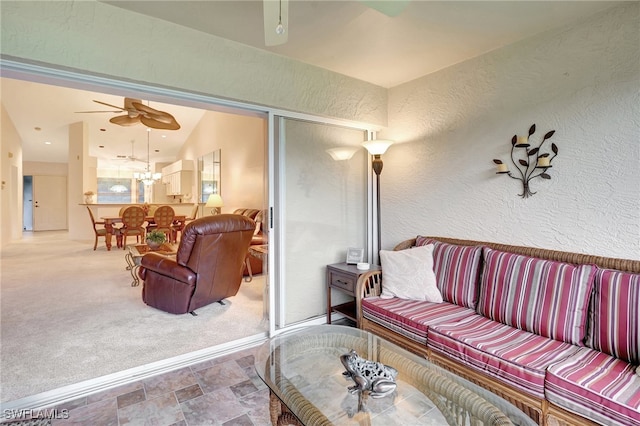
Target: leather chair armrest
column 259, row 239
column 167, row 266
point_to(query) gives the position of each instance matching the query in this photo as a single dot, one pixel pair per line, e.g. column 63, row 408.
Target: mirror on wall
column 209, row 175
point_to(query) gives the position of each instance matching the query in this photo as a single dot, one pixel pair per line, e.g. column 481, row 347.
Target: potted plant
column 155, row 239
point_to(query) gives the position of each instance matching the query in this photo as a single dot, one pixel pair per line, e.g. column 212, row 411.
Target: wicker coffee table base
column 280, row 414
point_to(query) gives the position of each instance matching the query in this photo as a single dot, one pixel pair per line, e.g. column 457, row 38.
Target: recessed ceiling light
column 100, row 146
column 157, row 150
column 164, row 136
column 47, row 143
column 37, row 129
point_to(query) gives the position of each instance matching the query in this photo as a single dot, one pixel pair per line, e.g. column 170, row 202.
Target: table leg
column 133, row 268
column 134, row 274
column 107, row 238
column 250, row 277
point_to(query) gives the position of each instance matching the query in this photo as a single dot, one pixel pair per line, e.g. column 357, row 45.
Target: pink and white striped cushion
column 457, row 270
column 411, row 318
column 541, row 296
column 615, row 315
column 597, row 386
column 514, row 356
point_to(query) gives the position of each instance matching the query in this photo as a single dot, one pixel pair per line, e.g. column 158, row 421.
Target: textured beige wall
column 581, row 81
column 242, row 141
column 11, row 176
column 98, row 38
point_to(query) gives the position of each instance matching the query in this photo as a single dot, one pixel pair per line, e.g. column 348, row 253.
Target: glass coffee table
column 304, row 373
column 134, row 254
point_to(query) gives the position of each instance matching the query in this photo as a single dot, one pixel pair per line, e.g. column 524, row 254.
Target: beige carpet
column 69, row 314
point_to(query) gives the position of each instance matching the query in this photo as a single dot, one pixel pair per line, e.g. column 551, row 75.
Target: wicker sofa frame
column 540, row 410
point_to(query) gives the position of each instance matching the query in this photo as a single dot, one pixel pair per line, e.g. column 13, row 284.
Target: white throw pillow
column 408, row 274
column 638, row 370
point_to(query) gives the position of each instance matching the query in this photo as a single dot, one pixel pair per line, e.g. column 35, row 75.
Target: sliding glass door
column 322, row 197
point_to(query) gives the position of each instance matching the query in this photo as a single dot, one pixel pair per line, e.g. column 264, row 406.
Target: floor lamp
column 377, row 148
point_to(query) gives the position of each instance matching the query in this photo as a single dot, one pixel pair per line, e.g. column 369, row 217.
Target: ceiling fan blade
column 129, row 103
column 388, row 7
column 148, row 111
column 109, row 105
column 125, row 120
column 156, row 124
column 157, row 119
column 274, row 12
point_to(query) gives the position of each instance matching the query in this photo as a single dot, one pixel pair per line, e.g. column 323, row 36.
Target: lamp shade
column 377, row 146
column 341, row 154
column 214, row 200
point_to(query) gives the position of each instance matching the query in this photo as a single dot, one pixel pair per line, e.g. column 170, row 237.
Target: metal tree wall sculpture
column 528, row 167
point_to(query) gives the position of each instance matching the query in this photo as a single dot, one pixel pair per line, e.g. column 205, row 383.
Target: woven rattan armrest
column 368, row 285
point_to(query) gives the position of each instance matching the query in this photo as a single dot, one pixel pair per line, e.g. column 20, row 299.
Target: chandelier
column 147, row 177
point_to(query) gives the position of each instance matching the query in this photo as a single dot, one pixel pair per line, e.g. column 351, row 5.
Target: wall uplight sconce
column 342, row 153
column 214, row 202
column 528, row 166
column 377, row 148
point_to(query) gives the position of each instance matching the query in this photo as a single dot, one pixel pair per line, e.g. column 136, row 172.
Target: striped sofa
column 555, row 333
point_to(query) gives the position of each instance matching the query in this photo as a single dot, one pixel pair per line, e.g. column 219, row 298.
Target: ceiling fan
column 276, row 16
column 132, row 157
column 137, row 112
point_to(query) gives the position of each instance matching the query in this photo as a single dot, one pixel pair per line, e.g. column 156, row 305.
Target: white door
column 49, row 203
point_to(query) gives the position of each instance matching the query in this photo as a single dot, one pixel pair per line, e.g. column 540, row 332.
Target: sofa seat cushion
column 457, row 269
column 411, row 318
column 508, row 354
column 615, row 315
column 544, row 297
column 597, row 386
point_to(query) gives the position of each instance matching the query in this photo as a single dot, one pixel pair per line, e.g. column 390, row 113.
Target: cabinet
column 178, row 183
column 178, row 177
column 343, row 278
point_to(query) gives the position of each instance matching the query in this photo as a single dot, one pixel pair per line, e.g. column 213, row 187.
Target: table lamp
column 215, row 202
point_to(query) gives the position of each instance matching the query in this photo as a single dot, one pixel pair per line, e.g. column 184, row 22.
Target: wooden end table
column 343, row 277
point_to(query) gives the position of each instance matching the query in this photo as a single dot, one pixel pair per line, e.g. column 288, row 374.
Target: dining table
column 110, row 221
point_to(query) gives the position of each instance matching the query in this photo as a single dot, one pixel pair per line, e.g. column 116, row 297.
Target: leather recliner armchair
column 208, row 266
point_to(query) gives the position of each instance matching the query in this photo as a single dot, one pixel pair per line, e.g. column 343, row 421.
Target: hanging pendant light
column 147, row 177
column 280, row 27
column 118, row 187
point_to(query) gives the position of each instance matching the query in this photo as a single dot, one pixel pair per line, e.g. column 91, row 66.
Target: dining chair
column 179, row 227
column 99, row 232
column 133, row 218
column 162, row 221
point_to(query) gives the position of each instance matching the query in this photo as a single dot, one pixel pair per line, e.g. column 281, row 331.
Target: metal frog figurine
column 374, row 378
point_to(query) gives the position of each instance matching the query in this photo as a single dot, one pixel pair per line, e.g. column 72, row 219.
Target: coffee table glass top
column 303, row 370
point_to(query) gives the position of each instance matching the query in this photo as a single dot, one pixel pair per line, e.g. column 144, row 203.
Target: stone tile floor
column 224, row 391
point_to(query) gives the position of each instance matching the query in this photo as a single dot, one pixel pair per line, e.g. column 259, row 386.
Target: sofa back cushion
column 457, row 270
column 614, row 327
column 545, row 297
